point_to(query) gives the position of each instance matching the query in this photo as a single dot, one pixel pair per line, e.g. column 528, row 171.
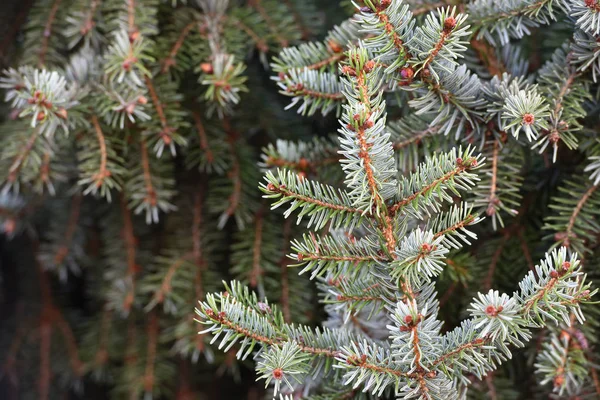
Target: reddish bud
column 407, row 73
column 491, row 311
column 347, row 70
column 9, row 226
column 207, row 68
column 449, row 24
column 134, row 36
column 130, row 108
column 271, row 187
column 300, row 257
column 408, row 319
column 426, row 247
column 41, row 115
column 528, row 119
column 566, row 265
column 559, row 380
column 142, row 100
column 553, row 274
column 369, row 66
column 278, row 374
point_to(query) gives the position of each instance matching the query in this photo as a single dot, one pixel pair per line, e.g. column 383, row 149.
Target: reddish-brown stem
column 103, row 345
column 257, row 4
column 444, row 299
column 389, row 29
column 288, row 193
column 487, row 283
column 169, row 61
column 595, row 380
column 416, row 137
column 256, row 272
column 404, row 202
column 165, row 133
column 203, row 139
column 130, row 248
column 47, row 33
column 526, row 251
column 196, row 231
column 436, row 49
column 298, row 20
column 20, row 159
column 489, row 380
column 283, row 264
column 475, row 343
column 131, row 17
column 300, row 90
column 103, row 172
column 63, row 250
column 152, row 334
column 45, row 168
column 353, row 259
column 223, row 320
column 165, row 287
column 70, row 341
column 493, row 199
column 461, row 224
column 150, row 192
column 235, row 172
column 261, row 44
column 487, row 55
column 45, row 372
column 198, row 259
column 580, row 204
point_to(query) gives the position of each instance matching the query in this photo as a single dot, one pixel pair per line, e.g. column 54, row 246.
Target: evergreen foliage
column 437, row 150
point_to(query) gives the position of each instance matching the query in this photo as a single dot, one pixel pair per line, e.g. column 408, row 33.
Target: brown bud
column 271, row 187
column 553, row 274
column 61, row 113
column 41, row 115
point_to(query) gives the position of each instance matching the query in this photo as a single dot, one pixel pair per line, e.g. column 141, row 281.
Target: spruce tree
column 425, row 226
